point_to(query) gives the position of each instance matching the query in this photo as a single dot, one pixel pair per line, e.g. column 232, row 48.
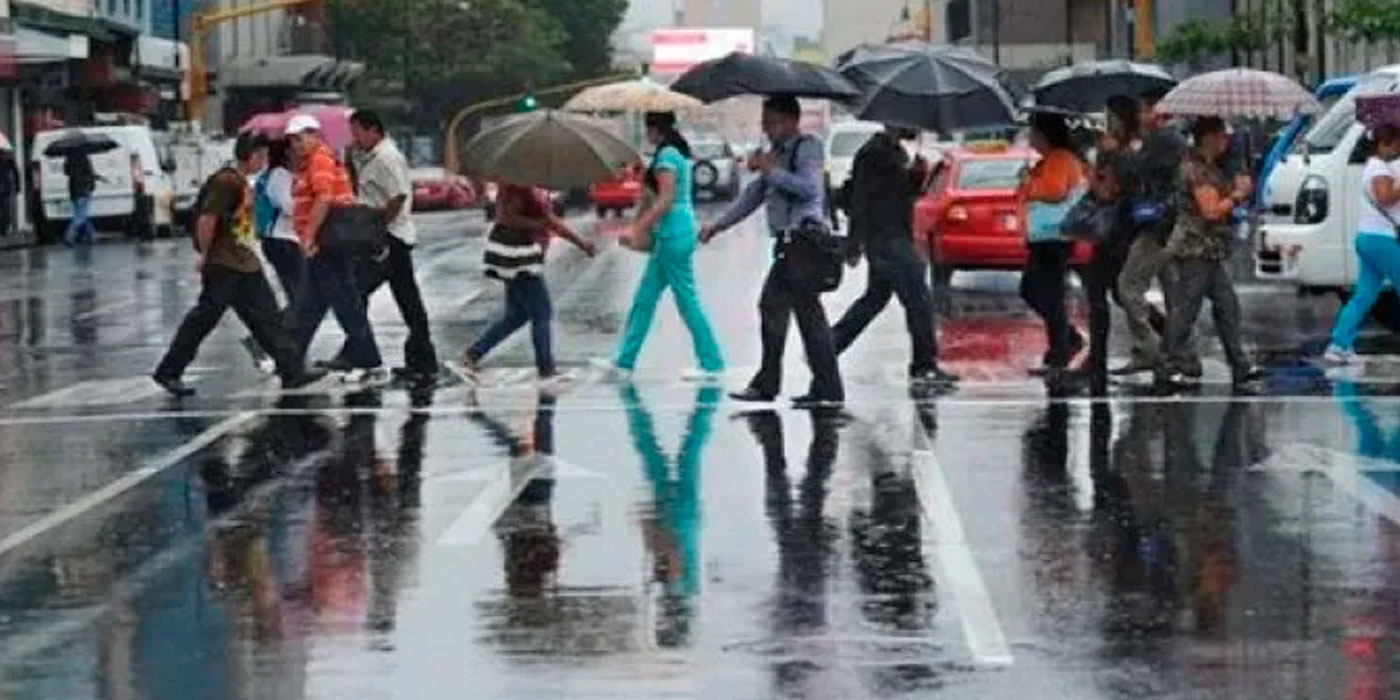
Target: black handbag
column 354, row 229
column 1090, row 220
column 813, row 257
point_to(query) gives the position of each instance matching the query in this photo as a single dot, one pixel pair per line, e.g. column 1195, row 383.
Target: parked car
column 135, row 190
column 969, row 218
column 716, row 170
column 1312, row 203
column 435, row 189
column 618, row 194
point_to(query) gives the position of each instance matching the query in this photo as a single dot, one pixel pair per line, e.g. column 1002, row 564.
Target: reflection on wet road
column 651, row 539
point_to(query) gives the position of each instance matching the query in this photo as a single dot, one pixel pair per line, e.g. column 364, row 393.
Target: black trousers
column 900, row 276
column 250, row 296
column 396, row 268
column 330, row 285
column 777, row 305
column 1043, row 289
column 1100, row 283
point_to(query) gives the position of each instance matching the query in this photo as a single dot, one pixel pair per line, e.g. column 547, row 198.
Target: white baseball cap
column 302, row 123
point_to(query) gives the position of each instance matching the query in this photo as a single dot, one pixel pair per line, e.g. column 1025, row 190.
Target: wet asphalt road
column 653, row 540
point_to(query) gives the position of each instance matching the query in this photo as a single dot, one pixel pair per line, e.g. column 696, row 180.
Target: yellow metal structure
column 201, row 24
column 1145, row 40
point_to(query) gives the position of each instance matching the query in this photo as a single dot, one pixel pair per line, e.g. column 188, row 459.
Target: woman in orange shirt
column 1047, row 192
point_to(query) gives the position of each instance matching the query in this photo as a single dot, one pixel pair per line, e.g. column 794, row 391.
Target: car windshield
column 1329, row 131
column 990, row 174
column 707, row 150
column 844, row 144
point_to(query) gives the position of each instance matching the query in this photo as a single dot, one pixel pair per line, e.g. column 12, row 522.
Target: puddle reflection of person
column 805, row 536
column 528, row 536
column 672, row 526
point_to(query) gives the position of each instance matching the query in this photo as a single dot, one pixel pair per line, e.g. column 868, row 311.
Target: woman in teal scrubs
column 671, row 221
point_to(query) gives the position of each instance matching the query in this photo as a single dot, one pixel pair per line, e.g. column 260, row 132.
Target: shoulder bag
column 812, row 256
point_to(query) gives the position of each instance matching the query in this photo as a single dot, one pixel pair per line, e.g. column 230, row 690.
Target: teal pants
column 670, row 266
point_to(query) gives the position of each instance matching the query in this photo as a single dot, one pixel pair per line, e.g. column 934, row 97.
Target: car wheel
column 165, row 231
column 602, row 212
column 1387, row 311
column 490, row 210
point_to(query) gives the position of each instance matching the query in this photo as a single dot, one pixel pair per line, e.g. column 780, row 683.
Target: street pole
column 928, row 21
column 996, row 32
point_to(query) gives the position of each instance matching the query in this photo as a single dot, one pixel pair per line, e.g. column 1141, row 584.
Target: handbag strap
column 1395, row 227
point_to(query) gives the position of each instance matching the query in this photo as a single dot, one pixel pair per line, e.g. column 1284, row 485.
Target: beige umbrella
column 632, row 96
column 547, row 149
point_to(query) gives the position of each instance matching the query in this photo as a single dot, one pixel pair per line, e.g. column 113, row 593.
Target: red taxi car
column 969, row 218
column 619, row 194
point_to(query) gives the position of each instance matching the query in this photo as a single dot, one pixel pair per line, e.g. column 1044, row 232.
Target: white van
column 135, row 160
column 1312, row 201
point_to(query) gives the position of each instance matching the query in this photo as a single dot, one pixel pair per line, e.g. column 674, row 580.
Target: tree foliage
column 442, row 53
column 1196, row 40
column 589, row 25
column 1365, row 21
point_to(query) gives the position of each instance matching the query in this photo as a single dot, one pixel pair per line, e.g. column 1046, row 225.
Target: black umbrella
column 1086, row 87
column 927, row 86
column 746, row 74
column 77, row 142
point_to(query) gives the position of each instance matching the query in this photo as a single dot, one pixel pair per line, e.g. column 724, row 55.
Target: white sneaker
column 702, row 376
column 610, row 371
column 1338, row 357
column 267, row 366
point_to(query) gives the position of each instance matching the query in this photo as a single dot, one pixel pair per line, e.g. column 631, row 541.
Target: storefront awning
column 35, row 47
column 298, row 72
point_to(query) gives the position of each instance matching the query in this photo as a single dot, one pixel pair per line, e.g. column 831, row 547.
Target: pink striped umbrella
column 1239, row 92
column 335, row 123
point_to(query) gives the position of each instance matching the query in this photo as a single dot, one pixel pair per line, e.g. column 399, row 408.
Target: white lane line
column 97, row 392
column 127, row 482
column 955, row 559
column 490, row 503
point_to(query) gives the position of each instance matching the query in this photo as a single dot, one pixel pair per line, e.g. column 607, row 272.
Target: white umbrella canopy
column 550, row 149
column 1239, row 92
column 632, row 96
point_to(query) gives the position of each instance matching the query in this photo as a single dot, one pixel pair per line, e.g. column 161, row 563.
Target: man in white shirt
column 382, row 181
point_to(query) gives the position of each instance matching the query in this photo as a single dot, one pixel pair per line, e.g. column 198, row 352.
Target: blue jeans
column 80, row 226
column 1380, row 260
column 670, row 266
column 527, row 301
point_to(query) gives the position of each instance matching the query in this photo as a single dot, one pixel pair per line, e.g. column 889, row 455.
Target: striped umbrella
column 1239, row 92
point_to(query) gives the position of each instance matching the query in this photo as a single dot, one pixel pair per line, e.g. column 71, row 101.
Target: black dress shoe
column 751, row 395
column 297, row 381
column 1250, row 375
column 335, row 364
column 175, row 385
column 935, row 376
column 811, row 402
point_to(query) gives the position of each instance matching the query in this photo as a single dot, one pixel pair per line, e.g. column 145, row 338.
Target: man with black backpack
column 791, row 184
column 232, row 276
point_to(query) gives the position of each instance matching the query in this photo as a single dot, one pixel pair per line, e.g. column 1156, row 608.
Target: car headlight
column 1313, row 201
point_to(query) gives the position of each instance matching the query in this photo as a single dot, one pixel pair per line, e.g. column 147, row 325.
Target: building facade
column 848, row 23
column 747, row 14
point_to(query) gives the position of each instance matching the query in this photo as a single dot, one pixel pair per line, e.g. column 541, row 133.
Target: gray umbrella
column 550, row 149
column 1086, row 87
column 927, row 86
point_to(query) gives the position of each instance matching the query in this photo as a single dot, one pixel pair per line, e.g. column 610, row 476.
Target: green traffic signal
column 526, row 104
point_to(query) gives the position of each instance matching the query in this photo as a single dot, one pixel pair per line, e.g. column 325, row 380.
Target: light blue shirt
column 679, row 220
column 794, row 189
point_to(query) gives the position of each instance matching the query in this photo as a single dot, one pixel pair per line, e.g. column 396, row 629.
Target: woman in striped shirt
column 515, row 250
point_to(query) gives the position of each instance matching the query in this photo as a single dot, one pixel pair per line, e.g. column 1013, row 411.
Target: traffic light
column 526, row 103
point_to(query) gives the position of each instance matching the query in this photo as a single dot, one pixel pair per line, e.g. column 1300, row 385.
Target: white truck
column 195, row 156
column 1312, row 201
